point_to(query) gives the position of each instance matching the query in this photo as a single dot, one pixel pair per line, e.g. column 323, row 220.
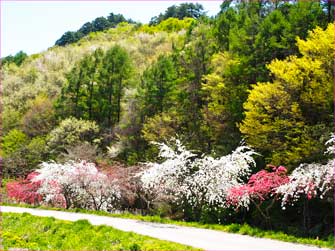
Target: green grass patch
column 244, row 229
column 47, row 233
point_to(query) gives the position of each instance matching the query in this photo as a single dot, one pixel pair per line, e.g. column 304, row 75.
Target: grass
column 243, row 229
column 47, row 233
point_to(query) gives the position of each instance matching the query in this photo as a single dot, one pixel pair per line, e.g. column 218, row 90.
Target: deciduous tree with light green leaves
column 71, row 132
column 288, row 119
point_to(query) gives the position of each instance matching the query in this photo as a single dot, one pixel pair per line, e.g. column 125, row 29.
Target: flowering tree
column 77, row 185
column 26, row 190
column 330, row 144
column 166, row 179
column 310, row 180
column 197, row 181
column 127, row 180
column 260, row 187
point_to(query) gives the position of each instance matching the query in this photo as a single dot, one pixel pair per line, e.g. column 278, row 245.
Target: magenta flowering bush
column 260, row 187
column 25, row 191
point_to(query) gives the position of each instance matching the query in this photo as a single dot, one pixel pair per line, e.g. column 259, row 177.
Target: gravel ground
column 196, row 237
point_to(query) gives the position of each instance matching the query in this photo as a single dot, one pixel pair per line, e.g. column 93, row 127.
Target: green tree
column 162, row 127
column 11, row 119
column 193, row 61
column 68, row 38
column 303, row 17
column 271, row 41
column 113, row 76
column 286, row 120
column 22, row 155
column 157, row 86
column 40, row 117
column 224, row 23
column 181, row 11
column 95, row 87
column 115, row 19
column 72, row 98
column 86, row 28
column 13, row 141
column 71, row 132
column 224, row 100
column 100, row 24
column 17, row 59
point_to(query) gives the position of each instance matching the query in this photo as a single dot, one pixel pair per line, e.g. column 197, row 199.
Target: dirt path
column 196, row 237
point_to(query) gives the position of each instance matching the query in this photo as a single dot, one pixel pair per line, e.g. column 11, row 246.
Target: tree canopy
column 180, row 11
column 98, row 24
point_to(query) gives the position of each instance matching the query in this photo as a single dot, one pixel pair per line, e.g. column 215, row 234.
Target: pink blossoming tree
column 260, row 187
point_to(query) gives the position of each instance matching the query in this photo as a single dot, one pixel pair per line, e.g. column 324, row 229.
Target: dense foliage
column 98, row 24
column 17, row 59
column 259, row 71
column 180, row 11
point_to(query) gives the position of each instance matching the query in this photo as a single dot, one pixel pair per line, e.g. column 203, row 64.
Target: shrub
column 13, row 141
column 261, row 186
column 71, row 132
column 25, row 191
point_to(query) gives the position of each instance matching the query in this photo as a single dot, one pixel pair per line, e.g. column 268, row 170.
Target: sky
column 34, row 26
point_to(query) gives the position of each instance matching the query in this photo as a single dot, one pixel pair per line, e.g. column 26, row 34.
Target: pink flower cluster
column 73, row 184
column 25, row 190
column 260, row 187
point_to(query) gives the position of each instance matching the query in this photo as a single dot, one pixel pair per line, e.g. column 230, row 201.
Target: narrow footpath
column 196, row 237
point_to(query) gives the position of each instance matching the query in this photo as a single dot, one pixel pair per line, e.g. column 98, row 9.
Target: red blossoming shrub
column 261, row 186
column 25, row 190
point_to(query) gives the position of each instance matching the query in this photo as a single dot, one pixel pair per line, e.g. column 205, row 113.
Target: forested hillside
column 258, row 74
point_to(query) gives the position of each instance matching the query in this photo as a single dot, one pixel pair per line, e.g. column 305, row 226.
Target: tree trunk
column 119, row 100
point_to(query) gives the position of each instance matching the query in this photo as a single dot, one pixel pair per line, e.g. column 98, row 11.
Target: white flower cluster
column 330, row 143
column 78, row 185
column 197, row 181
column 308, row 180
column 169, row 175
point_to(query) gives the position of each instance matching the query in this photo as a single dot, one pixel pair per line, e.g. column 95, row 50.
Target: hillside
column 45, row 73
column 233, row 116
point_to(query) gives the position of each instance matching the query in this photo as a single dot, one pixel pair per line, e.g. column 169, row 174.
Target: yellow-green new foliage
column 161, row 127
column 72, row 131
column 287, row 119
column 214, row 86
column 169, row 25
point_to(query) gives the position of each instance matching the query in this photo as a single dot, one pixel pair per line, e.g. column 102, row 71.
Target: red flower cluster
column 260, row 186
column 25, row 190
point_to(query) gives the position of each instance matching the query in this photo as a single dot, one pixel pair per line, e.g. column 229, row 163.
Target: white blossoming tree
column 309, row 181
column 197, row 181
column 77, row 185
